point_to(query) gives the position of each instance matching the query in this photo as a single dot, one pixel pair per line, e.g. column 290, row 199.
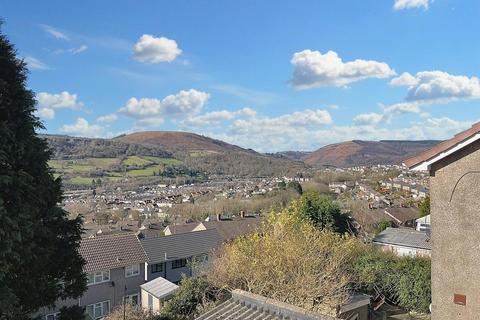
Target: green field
column 76, row 171
column 145, row 172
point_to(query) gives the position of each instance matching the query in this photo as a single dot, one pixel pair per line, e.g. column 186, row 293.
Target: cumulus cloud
column 410, row 4
column 313, row 69
column 108, row 118
column 215, row 117
column 149, row 49
column 34, row 63
column 405, row 79
column 281, row 137
column 55, row 32
column 369, row 118
column 185, row 103
column 82, row 128
column 49, row 102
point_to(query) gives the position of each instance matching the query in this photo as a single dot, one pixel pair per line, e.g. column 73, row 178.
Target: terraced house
column 118, row 265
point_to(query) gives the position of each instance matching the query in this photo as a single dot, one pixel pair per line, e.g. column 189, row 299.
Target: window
column 132, row 299
column 180, row 263
column 98, row 310
column 52, row 316
column 155, row 268
column 98, row 277
column 132, row 270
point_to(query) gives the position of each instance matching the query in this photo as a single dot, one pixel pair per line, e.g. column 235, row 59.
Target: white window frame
column 132, row 270
column 128, row 299
column 100, row 305
column 54, row 314
column 104, row 274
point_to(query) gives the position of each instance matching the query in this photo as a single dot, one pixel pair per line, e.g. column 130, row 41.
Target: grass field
column 78, row 180
column 136, row 161
column 145, row 172
column 159, row 160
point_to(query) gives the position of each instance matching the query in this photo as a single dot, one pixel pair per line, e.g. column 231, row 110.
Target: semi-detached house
column 117, row 265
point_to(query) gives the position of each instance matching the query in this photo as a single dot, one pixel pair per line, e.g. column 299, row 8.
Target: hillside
column 364, row 153
column 213, row 156
column 158, row 154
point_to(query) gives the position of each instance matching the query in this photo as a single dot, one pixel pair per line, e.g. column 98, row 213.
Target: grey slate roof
column 159, row 287
column 182, row 245
column 111, row 251
column 404, row 237
column 247, row 306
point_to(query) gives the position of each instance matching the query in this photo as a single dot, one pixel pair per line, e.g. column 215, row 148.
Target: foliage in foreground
column 404, row 281
column 39, row 259
column 289, row 260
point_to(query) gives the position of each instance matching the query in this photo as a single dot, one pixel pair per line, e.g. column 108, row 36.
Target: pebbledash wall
column 455, row 218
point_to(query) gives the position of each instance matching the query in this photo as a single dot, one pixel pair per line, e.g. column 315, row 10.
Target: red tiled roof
column 111, row 251
column 443, row 146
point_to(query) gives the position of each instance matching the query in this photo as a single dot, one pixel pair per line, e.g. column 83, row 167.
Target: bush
column 404, row 281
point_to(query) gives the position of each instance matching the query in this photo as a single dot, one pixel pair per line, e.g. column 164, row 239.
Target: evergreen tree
column 39, row 259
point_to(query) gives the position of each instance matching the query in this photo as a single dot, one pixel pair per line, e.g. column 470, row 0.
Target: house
column 403, row 216
column 171, row 256
column 155, row 293
column 245, row 305
column 423, row 223
column 454, row 169
column 115, row 271
column 183, row 228
column 404, row 242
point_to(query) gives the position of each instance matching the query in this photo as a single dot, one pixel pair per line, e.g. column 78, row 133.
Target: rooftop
column 424, row 159
column 404, row 237
column 160, row 287
column 111, row 251
column 178, row 246
column 244, row 305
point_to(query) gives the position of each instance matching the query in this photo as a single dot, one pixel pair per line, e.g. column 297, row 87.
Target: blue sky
column 267, row 75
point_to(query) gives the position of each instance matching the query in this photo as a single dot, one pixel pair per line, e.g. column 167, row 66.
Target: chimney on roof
column 219, row 216
column 242, row 214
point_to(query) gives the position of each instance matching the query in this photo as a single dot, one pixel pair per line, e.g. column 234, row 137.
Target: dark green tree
column 39, row 259
column 323, row 212
column 282, row 185
column 295, row 185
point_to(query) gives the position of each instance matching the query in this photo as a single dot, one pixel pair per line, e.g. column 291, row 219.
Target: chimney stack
column 242, row 214
column 219, row 217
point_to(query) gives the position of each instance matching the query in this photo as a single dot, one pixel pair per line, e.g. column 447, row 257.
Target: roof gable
column 424, row 160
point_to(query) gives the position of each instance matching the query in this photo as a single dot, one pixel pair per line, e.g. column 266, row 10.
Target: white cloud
column 55, row 32
column 34, row 63
column 108, row 118
column 369, row 118
column 48, row 102
column 185, row 103
column 312, row 69
column 405, row 79
column 46, row 113
column 149, row 49
column 82, row 128
column 215, row 117
column 410, row 4
column 281, row 137
column 79, row 49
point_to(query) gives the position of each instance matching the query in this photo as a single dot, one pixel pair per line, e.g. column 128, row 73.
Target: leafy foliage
column 72, row 313
column 404, row 281
column 34, row 231
column 382, row 226
column 294, row 185
column 425, row 206
column 289, row 260
column 192, row 295
column 322, row 212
